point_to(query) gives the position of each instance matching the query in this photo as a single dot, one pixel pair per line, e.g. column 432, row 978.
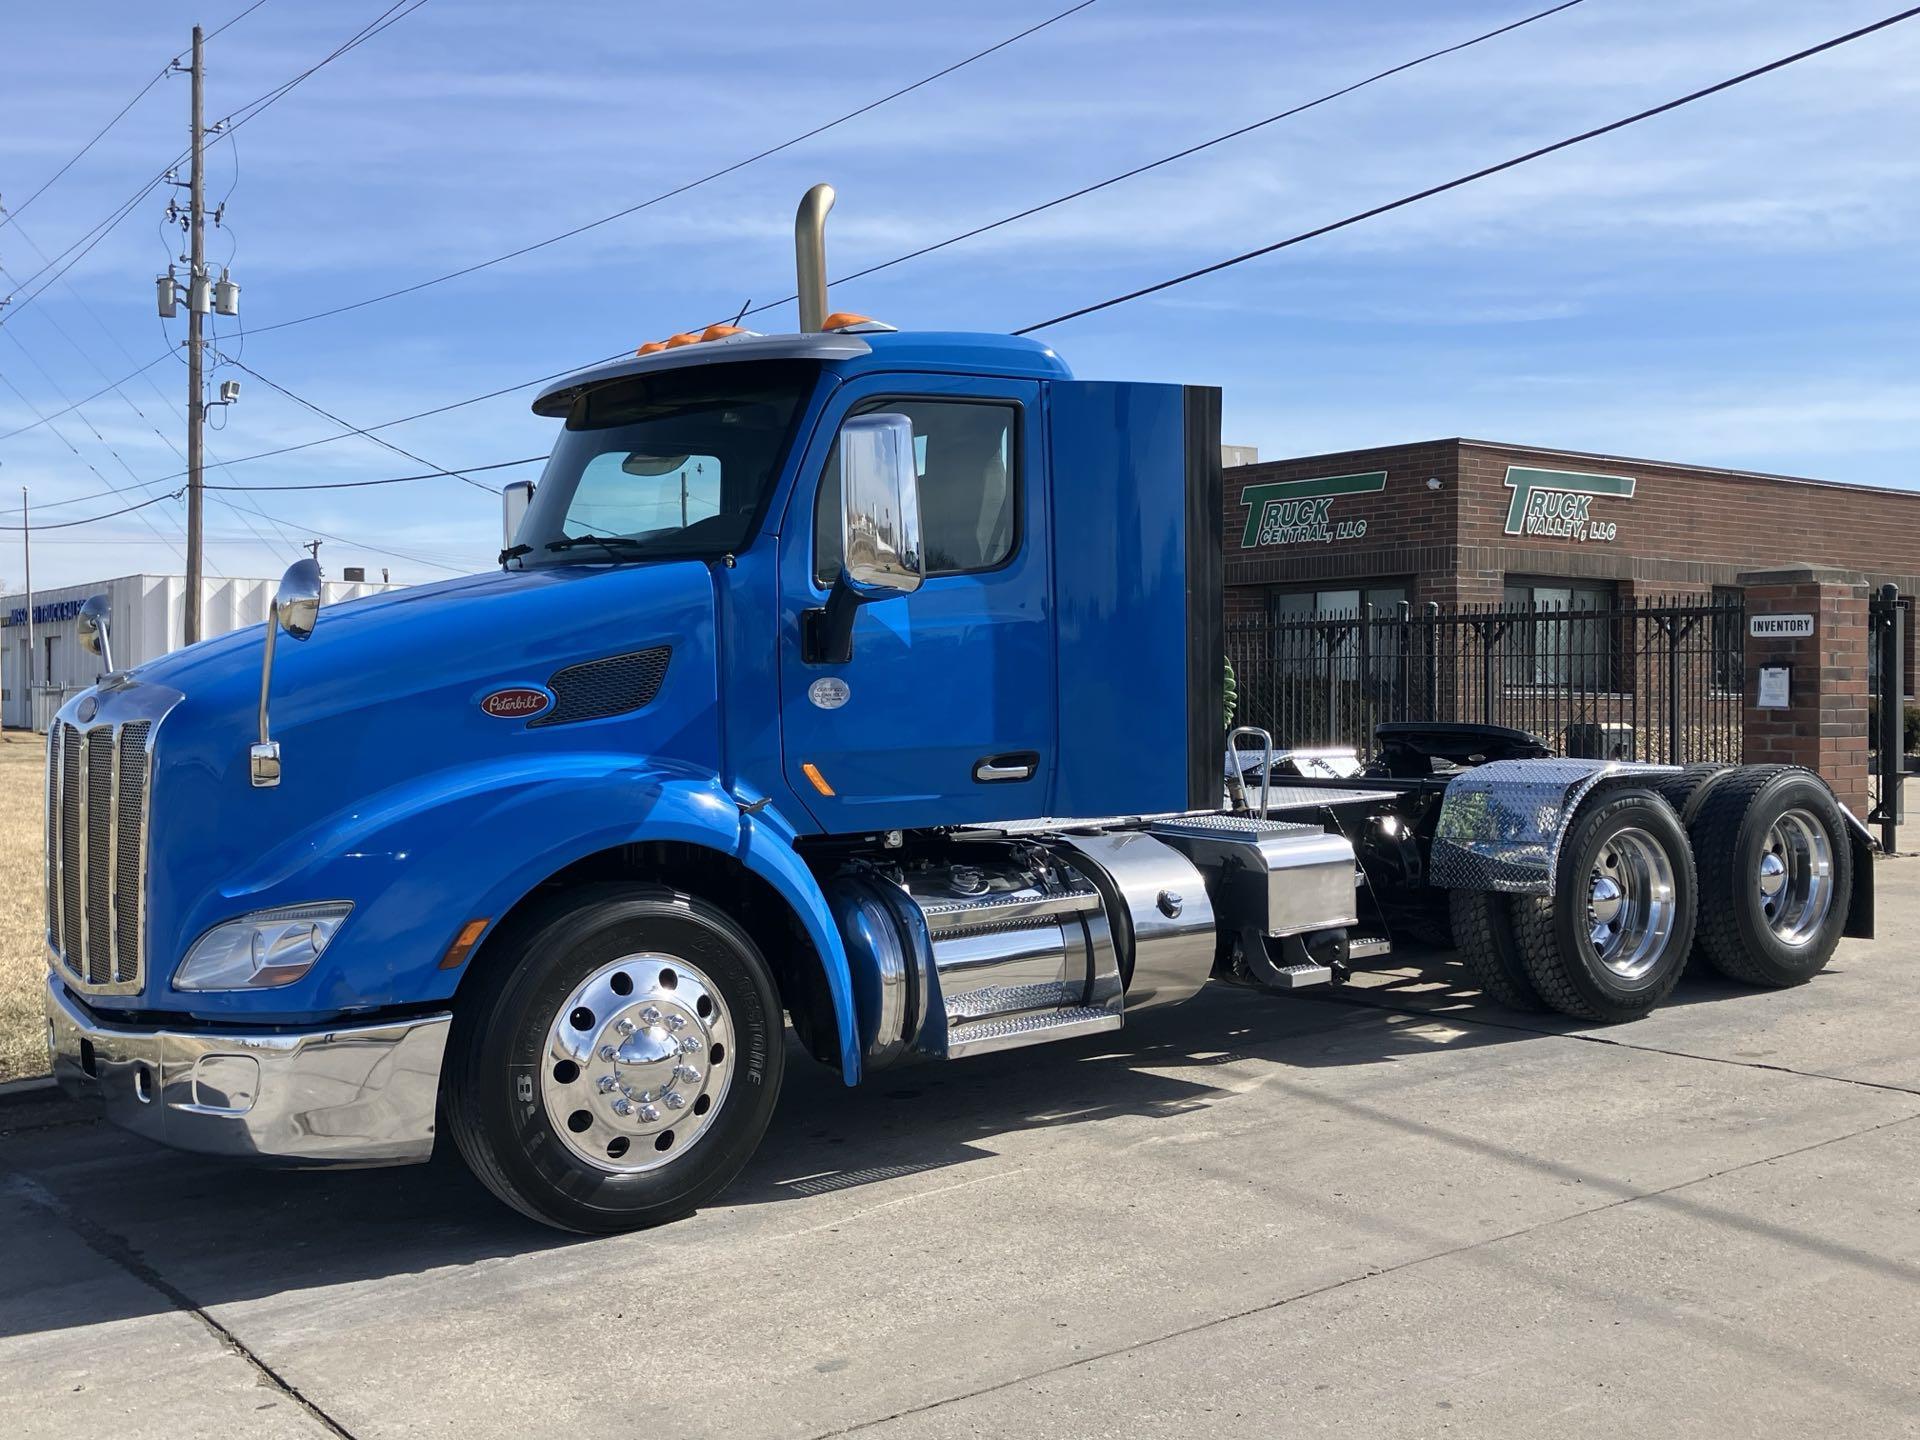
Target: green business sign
column 1300, row 512
column 1557, row 504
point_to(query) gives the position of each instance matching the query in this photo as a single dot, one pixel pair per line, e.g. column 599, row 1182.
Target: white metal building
column 147, row 620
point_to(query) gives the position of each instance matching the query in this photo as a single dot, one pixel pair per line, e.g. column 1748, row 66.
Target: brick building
column 1471, row 522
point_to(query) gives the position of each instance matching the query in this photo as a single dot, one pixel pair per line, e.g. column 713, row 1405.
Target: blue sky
column 1733, row 284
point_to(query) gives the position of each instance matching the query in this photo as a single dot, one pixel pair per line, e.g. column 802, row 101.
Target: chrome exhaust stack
column 810, row 257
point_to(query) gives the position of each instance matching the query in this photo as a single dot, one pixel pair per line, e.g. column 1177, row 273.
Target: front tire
column 619, row 1062
column 1610, row 942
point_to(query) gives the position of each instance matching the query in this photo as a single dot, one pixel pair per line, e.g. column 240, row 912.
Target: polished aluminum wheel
column 638, row 1063
column 1795, row 877
column 1630, row 903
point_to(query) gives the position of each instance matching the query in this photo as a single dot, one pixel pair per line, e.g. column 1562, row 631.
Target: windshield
column 674, row 464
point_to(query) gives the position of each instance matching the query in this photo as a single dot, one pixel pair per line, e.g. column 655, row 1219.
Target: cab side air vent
column 600, row 688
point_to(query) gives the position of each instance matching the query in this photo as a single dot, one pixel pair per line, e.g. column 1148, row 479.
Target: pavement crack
column 117, row 1250
column 1450, row 1018
column 1372, row 1272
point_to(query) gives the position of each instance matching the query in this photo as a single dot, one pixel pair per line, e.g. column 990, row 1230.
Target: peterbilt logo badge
column 519, row 702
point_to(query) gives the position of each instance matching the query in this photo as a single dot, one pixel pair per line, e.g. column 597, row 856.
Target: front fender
column 421, row 860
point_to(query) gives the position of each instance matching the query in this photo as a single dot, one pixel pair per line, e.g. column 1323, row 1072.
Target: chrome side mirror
column 879, row 507
column 94, row 616
column 296, row 604
column 296, row 609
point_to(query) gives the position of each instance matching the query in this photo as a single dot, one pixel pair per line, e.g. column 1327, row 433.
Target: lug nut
column 674, row 1100
column 688, row 1044
column 623, row 1106
column 687, row 1073
column 676, row 1022
column 649, row 1114
column 651, row 1015
column 623, row 1025
column 607, row 1083
column 607, row 1053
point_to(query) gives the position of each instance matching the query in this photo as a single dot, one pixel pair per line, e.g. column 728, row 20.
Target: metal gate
column 1888, row 740
column 1658, row 681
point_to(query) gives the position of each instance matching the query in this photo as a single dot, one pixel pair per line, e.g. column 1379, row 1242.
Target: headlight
column 261, row 950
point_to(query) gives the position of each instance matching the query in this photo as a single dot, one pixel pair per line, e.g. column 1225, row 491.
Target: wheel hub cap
column 638, row 1061
column 1794, row 877
column 1630, row 903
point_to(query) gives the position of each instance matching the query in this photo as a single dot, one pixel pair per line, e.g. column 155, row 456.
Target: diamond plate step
column 1297, row 977
column 978, row 1037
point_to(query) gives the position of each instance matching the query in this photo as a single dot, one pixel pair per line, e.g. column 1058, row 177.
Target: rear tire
column 1610, row 942
column 618, row 1064
column 1483, row 931
column 1686, row 791
column 1776, row 876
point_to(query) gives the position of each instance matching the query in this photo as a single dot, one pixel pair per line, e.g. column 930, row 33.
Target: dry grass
column 23, row 955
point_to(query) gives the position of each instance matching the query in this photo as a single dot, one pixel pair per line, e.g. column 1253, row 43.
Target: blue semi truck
column 859, row 682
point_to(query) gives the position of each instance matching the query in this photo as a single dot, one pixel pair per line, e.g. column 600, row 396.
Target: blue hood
column 390, row 766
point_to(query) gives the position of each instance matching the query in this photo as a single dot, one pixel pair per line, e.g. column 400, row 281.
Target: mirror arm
column 827, row 630
column 264, row 758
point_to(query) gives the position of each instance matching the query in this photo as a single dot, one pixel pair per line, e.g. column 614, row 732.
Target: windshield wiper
column 612, row 544
column 513, row 552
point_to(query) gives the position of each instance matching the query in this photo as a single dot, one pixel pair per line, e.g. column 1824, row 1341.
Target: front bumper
column 343, row 1095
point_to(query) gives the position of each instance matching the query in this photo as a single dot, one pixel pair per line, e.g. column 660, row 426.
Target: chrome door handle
column 1018, row 766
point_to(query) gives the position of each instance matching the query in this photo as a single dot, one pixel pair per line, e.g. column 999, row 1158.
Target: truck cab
column 857, row 681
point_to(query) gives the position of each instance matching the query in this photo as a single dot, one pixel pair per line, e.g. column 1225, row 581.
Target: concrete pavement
column 1397, row 1210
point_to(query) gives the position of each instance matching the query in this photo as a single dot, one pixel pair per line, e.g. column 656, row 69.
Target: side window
column 967, row 455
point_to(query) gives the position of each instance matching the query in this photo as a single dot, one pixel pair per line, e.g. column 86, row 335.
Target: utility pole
column 26, row 544
column 196, row 303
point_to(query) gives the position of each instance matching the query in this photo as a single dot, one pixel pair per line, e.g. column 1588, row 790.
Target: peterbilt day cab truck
column 864, row 682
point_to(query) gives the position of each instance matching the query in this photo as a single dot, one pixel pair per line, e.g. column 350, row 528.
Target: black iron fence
column 1659, row 681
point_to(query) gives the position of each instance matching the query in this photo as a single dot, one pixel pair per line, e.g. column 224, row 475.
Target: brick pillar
column 1824, row 726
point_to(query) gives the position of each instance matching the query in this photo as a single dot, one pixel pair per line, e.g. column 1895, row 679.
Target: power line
column 912, row 254
column 389, row 480
column 79, row 249
column 352, row 428
column 1480, row 174
column 682, row 189
column 91, row 519
column 222, row 29
column 98, row 136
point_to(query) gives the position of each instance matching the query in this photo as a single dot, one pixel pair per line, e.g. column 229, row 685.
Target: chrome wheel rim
column 1631, row 903
column 1794, row 877
column 638, row 1062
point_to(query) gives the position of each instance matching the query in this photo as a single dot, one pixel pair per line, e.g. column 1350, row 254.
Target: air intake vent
column 601, row 688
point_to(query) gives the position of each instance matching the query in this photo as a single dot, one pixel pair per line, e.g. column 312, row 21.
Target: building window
column 1318, row 632
column 1343, row 604
column 1564, row 636
column 966, row 455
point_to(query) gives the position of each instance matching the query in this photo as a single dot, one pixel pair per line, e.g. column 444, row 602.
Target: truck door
column 946, row 711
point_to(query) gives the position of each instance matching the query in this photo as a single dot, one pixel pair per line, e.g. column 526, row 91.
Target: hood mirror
column 296, row 604
column 296, row 610
column 93, row 629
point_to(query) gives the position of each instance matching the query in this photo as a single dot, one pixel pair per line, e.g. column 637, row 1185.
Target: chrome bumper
column 347, row 1095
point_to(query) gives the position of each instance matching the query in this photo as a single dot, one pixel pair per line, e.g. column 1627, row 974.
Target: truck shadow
column 188, row 1230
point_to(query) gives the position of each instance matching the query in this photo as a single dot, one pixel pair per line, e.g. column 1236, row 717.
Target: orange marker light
column 721, row 332
column 674, row 342
column 469, row 936
column 652, row 347
column 840, row 319
column 812, row 772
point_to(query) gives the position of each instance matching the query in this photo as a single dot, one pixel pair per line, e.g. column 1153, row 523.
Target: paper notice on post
column 1773, row 687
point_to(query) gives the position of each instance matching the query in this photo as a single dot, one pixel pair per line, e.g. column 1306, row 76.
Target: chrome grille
column 96, row 851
